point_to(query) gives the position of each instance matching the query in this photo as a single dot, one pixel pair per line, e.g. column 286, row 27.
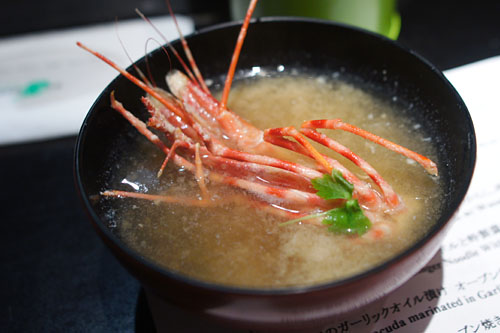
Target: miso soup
column 240, row 245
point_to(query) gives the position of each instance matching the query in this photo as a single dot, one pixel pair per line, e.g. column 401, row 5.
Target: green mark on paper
column 34, row 88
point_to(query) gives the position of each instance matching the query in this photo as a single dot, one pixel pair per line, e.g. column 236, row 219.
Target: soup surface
column 241, row 246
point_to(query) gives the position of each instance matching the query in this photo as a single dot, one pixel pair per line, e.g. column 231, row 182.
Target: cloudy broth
column 239, row 245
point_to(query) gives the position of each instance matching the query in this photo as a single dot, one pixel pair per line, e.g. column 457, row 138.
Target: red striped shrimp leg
column 254, row 172
column 185, row 201
column 242, row 169
column 390, row 195
column 426, row 163
column 166, row 121
column 368, row 197
column 143, row 129
column 194, row 202
column 231, row 161
column 266, row 160
column 174, row 107
column 267, row 193
column 272, row 195
column 218, row 148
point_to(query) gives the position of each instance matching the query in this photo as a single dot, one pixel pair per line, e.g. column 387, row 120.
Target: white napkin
column 47, row 83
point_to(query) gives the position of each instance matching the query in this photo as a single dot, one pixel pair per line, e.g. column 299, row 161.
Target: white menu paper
column 458, row 291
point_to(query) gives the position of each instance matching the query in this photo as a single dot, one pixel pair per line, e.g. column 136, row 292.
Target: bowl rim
column 441, row 223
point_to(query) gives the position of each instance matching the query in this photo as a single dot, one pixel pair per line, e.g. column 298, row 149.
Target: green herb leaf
column 333, row 186
column 348, row 219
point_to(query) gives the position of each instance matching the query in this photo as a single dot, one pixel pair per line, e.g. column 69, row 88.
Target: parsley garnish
column 348, row 219
column 333, row 187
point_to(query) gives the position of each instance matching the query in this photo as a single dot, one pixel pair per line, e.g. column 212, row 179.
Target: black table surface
column 56, row 273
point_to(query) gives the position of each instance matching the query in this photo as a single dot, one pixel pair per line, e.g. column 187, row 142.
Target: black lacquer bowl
column 371, row 61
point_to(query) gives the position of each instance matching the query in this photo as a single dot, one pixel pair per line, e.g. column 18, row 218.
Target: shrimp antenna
column 151, row 39
column 198, row 79
column 187, row 51
column 137, row 69
column 174, row 51
column 236, row 54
